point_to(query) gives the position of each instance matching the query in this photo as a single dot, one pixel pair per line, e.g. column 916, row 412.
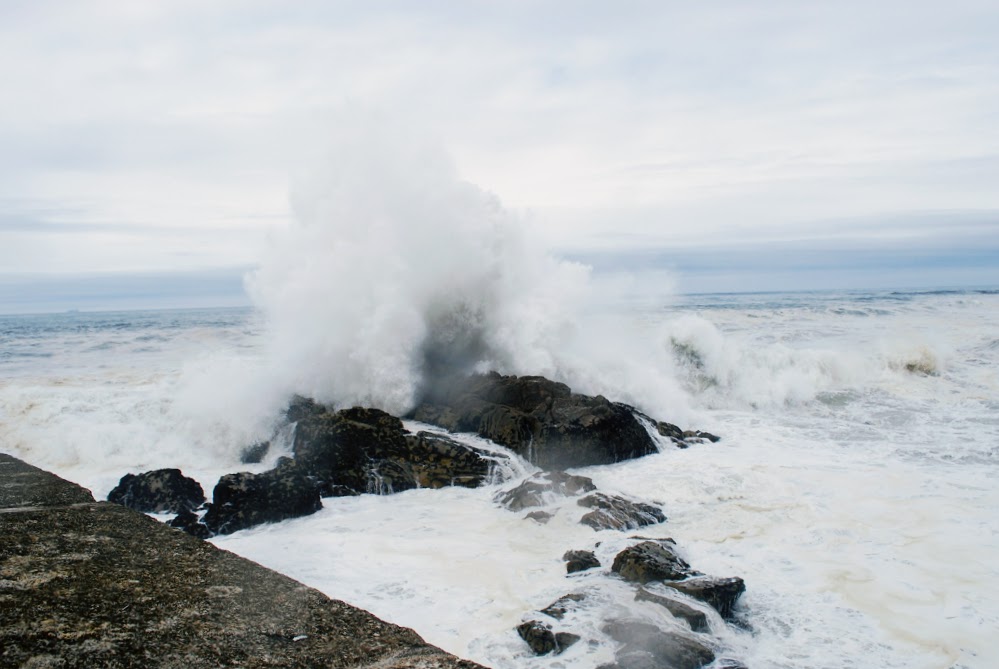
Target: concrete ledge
column 86, row 584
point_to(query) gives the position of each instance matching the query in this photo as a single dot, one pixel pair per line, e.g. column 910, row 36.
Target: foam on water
column 854, row 492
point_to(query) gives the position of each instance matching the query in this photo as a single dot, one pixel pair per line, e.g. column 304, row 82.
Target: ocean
column 855, row 487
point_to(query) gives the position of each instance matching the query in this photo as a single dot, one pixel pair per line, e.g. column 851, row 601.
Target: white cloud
column 666, row 122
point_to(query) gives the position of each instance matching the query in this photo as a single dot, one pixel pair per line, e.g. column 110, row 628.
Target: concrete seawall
column 93, row 584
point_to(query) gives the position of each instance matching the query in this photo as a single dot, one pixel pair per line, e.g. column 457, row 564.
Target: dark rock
column 189, row 522
column 543, row 488
column 580, row 561
column 646, row 645
column 541, row 420
column 88, row 584
column 721, row 593
column 651, row 561
column 697, row 620
column 368, row 450
column 244, row 500
column 255, row 454
column 560, row 606
column 611, row 512
column 697, row 436
column 542, row 640
column 540, row 516
column 158, row 491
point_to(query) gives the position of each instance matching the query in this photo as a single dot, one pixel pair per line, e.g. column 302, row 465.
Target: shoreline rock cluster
column 94, row 584
column 364, row 450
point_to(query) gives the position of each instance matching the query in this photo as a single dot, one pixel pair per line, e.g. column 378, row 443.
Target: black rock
column 158, row 491
column 254, row 454
column 697, row 620
column 540, row 516
column 721, row 593
column 542, row 640
column 367, row 450
column 580, row 561
column 189, row 522
column 544, row 488
column 541, row 420
column 244, row 500
column 646, row 645
column 560, row 606
column 651, row 561
column 611, row 512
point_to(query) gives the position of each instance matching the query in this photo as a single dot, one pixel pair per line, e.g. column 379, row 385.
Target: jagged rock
column 255, row 453
column 540, row 516
column 721, row 593
column 541, row 420
column 544, row 488
column 189, row 522
column 651, row 561
column 697, row 436
column 542, row 640
column 244, row 500
column 580, row 561
column 697, row 620
column 560, row 606
column 611, row 512
column 158, row 491
column 645, row 645
column 368, row 450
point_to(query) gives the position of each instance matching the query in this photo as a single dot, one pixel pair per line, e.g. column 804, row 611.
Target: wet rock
column 562, row 605
column 87, row 584
column 697, row 620
column 544, row 488
column 645, row 645
column 651, row 561
column 255, row 453
column 611, row 512
column 189, row 522
column 541, row 420
column 721, row 593
column 367, row 450
column 244, row 500
column 542, row 640
column 580, row 561
column 540, row 516
column 158, row 491
column 697, row 436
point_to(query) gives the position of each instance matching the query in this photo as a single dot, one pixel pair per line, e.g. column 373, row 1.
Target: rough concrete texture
column 86, row 584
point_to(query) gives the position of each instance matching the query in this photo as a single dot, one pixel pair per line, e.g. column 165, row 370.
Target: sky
column 147, row 149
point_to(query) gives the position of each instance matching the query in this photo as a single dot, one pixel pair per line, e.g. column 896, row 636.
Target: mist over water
column 397, row 272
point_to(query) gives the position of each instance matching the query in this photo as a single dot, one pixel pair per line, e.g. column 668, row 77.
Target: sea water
column 854, row 488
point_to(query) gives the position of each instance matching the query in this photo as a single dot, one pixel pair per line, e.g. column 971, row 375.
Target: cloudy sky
column 739, row 145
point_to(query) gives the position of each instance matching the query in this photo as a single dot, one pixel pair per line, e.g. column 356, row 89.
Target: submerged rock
column 611, row 512
column 697, row 620
column 645, row 645
column 580, row 561
column 544, row 488
column 562, row 605
column 651, row 561
column 244, row 500
column 542, row 640
column 541, row 420
column 158, row 491
column 367, row 450
column 539, row 516
column 721, row 593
